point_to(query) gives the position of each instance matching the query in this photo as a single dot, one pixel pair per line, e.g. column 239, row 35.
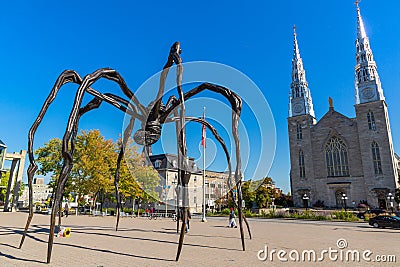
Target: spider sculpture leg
column 65, row 77
column 69, row 76
column 132, row 111
column 221, row 141
column 66, row 168
column 72, row 123
column 236, row 104
column 177, row 129
column 127, row 133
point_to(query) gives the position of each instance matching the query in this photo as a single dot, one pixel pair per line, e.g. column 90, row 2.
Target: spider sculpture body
column 152, row 118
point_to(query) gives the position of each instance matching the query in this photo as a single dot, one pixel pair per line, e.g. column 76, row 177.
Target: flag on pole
column 203, row 136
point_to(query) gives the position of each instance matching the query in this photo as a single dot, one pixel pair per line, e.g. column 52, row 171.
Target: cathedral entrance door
column 339, row 200
column 382, row 203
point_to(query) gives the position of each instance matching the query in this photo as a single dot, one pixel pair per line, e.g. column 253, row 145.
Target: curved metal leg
column 31, row 171
column 60, row 212
column 183, row 227
column 178, row 130
column 127, row 133
column 67, row 166
column 65, row 77
column 236, row 104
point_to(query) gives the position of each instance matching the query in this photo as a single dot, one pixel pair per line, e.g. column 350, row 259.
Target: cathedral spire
column 300, row 95
column 360, row 24
column 368, row 86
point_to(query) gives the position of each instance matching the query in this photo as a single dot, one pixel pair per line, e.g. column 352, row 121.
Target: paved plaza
column 143, row 242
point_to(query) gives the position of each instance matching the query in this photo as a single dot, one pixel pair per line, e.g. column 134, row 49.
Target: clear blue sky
column 42, row 38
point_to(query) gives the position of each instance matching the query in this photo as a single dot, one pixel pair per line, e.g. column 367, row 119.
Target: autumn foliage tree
column 95, row 162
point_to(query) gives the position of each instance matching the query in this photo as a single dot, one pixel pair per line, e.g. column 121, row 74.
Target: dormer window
column 157, row 164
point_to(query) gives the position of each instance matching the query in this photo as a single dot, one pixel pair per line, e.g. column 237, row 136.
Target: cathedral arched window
column 376, row 158
column 337, row 163
column 363, row 58
column 371, row 121
column 297, row 94
column 299, row 131
column 371, row 73
column 302, row 167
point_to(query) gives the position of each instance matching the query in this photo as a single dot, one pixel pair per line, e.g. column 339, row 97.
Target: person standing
column 66, row 209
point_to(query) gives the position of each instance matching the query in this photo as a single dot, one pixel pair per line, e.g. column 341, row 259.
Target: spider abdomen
column 149, row 135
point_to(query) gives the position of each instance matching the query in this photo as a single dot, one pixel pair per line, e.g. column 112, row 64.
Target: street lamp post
column 305, row 200
column 344, row 198
column 390, row 197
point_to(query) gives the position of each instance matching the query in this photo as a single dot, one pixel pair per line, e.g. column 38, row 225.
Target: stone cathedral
column 337, row 160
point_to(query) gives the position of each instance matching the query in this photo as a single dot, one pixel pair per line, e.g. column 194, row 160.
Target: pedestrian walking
column 189, row 216
column 232, row 222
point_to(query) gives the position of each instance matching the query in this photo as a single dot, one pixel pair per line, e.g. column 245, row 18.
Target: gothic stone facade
column 339, row 160
column 361, row 178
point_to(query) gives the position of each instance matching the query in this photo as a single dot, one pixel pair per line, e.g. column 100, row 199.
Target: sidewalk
column 139, row 242
column 144, row 242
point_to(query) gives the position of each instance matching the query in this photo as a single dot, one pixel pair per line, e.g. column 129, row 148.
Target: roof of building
column 2, row 144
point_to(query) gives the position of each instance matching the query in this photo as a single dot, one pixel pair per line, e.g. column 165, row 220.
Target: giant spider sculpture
column 151, row 117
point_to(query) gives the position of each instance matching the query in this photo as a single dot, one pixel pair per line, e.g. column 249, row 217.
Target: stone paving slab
column 143, row 242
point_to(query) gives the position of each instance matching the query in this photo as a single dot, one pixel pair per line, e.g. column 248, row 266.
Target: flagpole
column 203, row 219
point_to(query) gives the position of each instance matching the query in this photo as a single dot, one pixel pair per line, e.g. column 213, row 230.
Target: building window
column 301, row 164
column 157, row 164
column 337, row 162
column 212, row 185
column 195, row 199
column 376, row 158
column 371, row 121
column 299, row 131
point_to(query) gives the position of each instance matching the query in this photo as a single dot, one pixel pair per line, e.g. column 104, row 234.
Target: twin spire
column 300, row 95
column 368, row 86
column 367, row 83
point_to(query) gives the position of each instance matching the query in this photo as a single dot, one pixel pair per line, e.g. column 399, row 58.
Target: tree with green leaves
column 3, row 186
column 50, row 162
column 137, row 181
column 248, row 193
column 265, row 192
column 93, row 173
column 397, row 195
column 94, row 164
